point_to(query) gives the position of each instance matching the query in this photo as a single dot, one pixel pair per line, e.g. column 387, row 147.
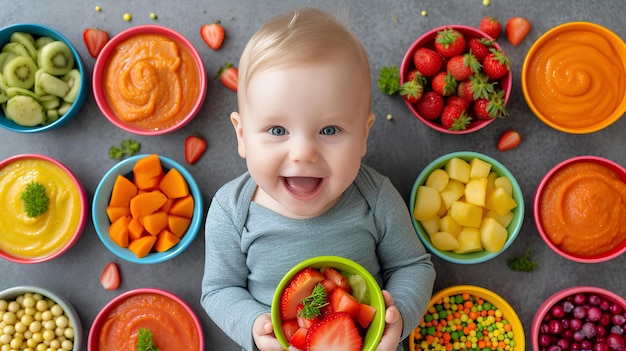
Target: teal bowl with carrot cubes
column 468, row 317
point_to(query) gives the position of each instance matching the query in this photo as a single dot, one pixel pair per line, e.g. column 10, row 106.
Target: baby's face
column 303, row 131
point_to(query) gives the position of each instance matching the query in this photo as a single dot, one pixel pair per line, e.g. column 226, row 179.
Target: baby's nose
column 304, row 151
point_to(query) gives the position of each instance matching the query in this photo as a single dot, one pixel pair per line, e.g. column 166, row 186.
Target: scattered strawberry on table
column 321, row 310
column 110, row 277
column 213, row 34
column 491, row 26
column 228, row 75
column 195, row 146
column 516, row 29
column 509, row 140
column 95, row 39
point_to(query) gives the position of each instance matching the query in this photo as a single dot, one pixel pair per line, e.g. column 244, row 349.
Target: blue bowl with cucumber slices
column 42, row 78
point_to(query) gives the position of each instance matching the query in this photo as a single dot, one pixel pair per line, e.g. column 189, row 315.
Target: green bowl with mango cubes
column 466, row 207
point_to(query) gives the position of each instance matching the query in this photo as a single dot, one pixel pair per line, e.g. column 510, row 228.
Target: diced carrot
column 183, row 207
column 123, row 190
column 146, row 203
column 115, row 212
column 174, row 184
column 145, row 182
column 165, row 241
column 167, row 205
column 155, row 222
column 142, row 246
column 149, row 166
column 118, row 231
column 178, row 225
column 135, row 229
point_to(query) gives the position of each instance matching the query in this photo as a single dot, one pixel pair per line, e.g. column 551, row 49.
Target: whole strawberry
column 449, row 42
column 496, row 64
column 491, row 107
column 427, row 61
column 430, row 105
column 412, row 90
column 475, row 87
column 444, row 84
column 463, row 66
column 491, row 26
column 457, row 100
column 454, row 117
column 479, row 47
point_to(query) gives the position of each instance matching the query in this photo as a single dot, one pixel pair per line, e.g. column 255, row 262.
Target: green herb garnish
column 522, row 263
column 389, row 80
column 144, row 340
column 127, row 147
column 35, row 199
column 314, row 302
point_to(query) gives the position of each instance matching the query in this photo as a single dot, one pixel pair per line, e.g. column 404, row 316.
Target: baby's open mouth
column 302, row 185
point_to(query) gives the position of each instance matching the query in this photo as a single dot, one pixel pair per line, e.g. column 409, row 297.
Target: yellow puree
column 577, row 79
column 23, row 236
column 583, row 209
column 151, row 81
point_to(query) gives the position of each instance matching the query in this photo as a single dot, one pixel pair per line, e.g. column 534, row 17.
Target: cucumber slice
column 359, row 288
column 65, row 106
column 15, row 91
column 42, row 41
column 27, row 40
column 51, row 116
column 73, row 81
column 56, row 58
column 20, row 72
column 50, row 102
column 16, row 48
column 52, row 85
column 25, row 110
column 8, row 56
column 3, row 90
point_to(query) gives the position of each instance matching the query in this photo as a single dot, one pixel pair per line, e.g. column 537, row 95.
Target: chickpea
column 67, row 345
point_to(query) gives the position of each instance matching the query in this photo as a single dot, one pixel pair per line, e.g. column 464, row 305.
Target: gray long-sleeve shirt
column 249, row 248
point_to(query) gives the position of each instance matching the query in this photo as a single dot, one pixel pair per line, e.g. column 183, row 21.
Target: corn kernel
column 127, row 17
column 98, row 8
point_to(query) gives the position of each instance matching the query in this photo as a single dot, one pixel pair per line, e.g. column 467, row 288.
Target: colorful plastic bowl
column 102, row 196
column 157, row 310
column 38, row 30
column 457, row 291
column 574, row 77
column 72, row 331
column 620, row 174
column 99, row 80
column 544, row 311
column 377, row 326
column 513, row 228
column 427, row 40
column 15, row 173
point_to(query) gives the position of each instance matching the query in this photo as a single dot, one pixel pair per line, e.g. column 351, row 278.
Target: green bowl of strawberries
column 328, row 300
column 456, row 79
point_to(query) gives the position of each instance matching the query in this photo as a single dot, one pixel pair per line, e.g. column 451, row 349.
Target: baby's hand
column 393, row 325
column 263, row 334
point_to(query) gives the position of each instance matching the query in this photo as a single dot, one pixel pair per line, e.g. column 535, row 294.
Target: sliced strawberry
column 337, row 278
column 195, row 146
column 306, row 322
column 509, row 140
column 110, row 277
column 300, row 287
column 95, row 39
column 289, row 328
column 366, row 314
column 328, row 285
column 213, row 34
column 336, row 332
column 342, row 301
column 298, row 340
column 228, row 75
column 516, row 29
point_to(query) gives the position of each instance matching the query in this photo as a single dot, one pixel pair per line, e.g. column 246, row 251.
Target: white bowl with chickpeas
column 37, row 319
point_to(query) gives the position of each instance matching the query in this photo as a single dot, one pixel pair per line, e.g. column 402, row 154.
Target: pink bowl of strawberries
column 328, row 301
column 456, row 79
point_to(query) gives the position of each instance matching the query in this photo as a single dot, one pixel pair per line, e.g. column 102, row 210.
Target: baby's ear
column 371, row 117
column 235, row 119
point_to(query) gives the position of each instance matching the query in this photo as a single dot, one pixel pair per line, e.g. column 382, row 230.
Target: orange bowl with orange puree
column 173, row 324
column 574, row 77
column 580, row 209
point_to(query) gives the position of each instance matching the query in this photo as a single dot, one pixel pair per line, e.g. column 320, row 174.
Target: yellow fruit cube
column 490, row 181
column 476, row 191
column 427, row 203
column 504, row 220
column 437, row 179
column 444, row 241
column 452, row 192
column 449, row 225
column 466, row 214
column 500, row 201
column 458, row 169
column 492, row 235
column 431, row 226
column 469, row 241
column 504, row 183
column 479, row 168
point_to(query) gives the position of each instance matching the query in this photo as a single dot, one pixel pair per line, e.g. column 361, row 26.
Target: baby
column 302, row 126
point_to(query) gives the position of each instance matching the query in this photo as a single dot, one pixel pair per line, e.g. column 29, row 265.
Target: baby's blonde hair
column 302, row 36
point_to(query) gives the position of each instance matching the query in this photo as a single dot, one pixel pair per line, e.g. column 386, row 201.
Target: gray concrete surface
column 399, row 148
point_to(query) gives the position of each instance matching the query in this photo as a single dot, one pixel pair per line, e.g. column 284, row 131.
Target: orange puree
column 576, row 79
column 583, row 209
column 172, row 327
column 151, row 81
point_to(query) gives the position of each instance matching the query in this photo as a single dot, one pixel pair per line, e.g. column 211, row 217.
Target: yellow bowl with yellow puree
column 574, row 77
column 43, row 206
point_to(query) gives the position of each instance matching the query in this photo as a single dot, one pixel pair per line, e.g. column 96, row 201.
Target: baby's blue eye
column 330, row 130
column 277, row 131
